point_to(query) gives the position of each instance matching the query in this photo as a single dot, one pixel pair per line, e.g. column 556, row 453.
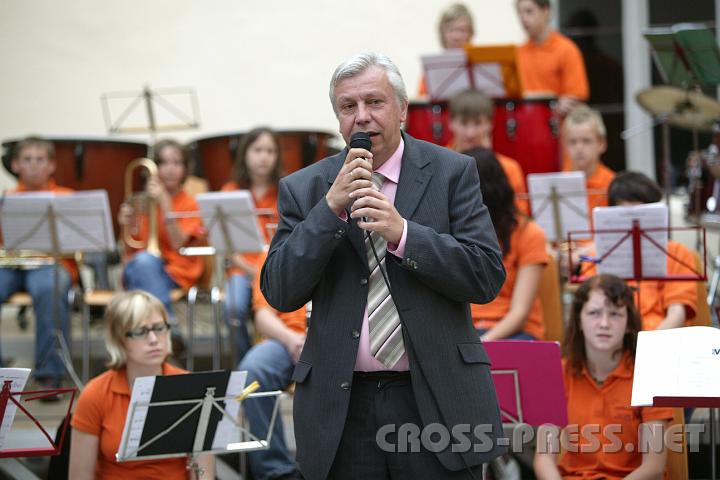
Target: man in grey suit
column 390, row 240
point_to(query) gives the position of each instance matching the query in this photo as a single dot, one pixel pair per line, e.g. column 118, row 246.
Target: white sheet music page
column 572, row 203
column 18, row 377
column 84, row 222
column 227, row 432
column 620, row 261
column 446, row 73
column 238, row 211
column 678, row 362
column 141, row 394
column 24, row 221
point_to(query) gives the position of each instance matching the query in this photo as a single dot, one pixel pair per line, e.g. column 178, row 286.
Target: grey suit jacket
column 451, row 258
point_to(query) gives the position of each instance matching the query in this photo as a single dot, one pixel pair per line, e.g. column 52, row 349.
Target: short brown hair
column 456, row 11
column 241, row 175
column 633, row 187
column 619, row 294
column 471, row 104
column 584, row 114
column 34, row 141
column 125, row 312
column 540, row 3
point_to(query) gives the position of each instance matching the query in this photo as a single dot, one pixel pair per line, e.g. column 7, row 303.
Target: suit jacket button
column 355, row 334
column 363, row 281
column 345, row 385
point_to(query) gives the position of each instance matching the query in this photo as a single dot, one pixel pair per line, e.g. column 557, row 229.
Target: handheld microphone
column 361, row 140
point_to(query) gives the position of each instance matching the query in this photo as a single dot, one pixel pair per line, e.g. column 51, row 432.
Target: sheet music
column 447, row 74
column 24, row 221
column 572, row 204
column 227, row 432
column 238, row 209
column 19, row 377
column 141, row 394
column 82, row 221
column 679, row 362
column 620, row 261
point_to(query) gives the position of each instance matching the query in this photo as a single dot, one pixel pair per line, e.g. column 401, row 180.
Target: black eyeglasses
column 142, row 332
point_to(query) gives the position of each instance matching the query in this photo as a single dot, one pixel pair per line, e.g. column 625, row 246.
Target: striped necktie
column 386, row 342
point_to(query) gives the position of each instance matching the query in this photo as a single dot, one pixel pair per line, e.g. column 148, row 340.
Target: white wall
column 250, row 61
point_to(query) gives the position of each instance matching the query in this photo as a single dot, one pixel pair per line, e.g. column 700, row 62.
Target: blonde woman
column 138, row 343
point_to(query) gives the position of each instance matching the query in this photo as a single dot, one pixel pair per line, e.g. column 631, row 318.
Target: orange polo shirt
column 599, row 181
column 296, row 321
column 527, row 247
column 657, row 295
column 267, row 201
column 101, row 411
column 69, row 264
column 185, row 270
column 608, row 404
column 554, row 66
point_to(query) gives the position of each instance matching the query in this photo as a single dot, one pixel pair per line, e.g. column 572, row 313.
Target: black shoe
column 49, row 383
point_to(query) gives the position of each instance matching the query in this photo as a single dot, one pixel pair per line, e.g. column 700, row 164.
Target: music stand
column 59, row 225
column 671, row 370
column 491, row 70
column 559, row 203
column 200, row 414
column 528, row 381
column 9, row 403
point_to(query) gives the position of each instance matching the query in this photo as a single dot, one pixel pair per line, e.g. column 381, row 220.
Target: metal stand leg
column 86, row 341
column 216, row 306
column 192, row 300
column 713, row 446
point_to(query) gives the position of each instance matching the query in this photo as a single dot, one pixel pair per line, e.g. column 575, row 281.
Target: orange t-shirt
column 185, row 270
column 101, row 411
column 555, row 66
column 69, row 264
column 266, row 202
column 527, row 247
column 597, row 185
column 608, row 404
column 296, row 321
column 657, row 295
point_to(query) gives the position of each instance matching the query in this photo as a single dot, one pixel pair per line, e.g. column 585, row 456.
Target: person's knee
column 140, row 266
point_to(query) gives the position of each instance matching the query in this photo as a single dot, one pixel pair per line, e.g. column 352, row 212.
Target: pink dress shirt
column 365, row 362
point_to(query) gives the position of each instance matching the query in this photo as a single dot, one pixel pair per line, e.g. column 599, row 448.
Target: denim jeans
column 39, row 283
column 270, row 364
column 147, row 272
column 515, row 336
column 237, row 311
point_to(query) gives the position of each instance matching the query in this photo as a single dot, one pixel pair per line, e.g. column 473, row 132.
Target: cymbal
column 682, row 109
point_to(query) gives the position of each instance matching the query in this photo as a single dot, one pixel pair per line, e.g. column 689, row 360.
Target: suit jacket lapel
column 414, row 178
column 355, row 234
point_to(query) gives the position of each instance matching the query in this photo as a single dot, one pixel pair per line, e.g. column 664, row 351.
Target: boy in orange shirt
column 584, row 139
column 599, row 361
column 34, row 164
column 471, row 122
column 160, row 275
column 271, row 363
column 549, row 62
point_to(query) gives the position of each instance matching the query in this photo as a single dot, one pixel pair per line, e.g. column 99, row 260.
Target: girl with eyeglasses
column 138, row 343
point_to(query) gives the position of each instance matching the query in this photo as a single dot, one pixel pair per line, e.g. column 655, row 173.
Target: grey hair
column 358, row 64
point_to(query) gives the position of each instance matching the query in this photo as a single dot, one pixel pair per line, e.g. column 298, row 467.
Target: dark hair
column 633, row 187
column 619, row 294
column 497, row 193
column 34, row 141
column 241, row 175
column 540, row 3
column 471, row 104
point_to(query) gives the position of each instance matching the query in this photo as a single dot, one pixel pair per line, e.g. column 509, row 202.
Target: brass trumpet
column 152, row 246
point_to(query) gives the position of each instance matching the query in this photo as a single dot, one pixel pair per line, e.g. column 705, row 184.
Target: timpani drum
column 214, row 156
column 89, row 163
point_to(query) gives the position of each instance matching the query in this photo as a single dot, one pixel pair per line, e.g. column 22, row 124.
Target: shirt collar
column 391, row 168
column 119, row 382
column 624, row 369
column 51, row 185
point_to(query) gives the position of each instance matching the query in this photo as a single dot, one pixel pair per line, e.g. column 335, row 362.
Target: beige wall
column 250, row 61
